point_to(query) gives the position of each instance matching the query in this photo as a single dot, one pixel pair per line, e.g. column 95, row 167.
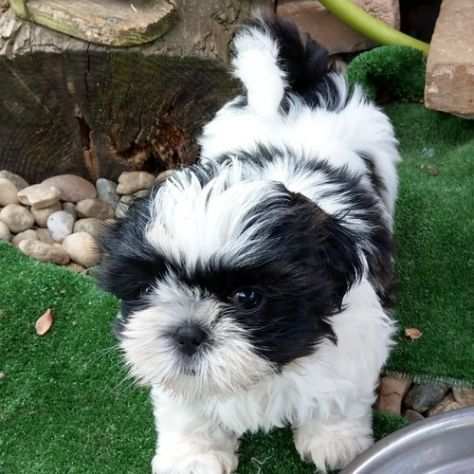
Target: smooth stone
column 60, row 225
column 121, row 210
column 17, row 218
column 130, row 182
column 73, row 188
column 44, row 236
column 141, row 194
column 413, row 416
column 44, row 252
column 391, row 393
column 39, row 196
column 464, row 396
column 94, row 208
column 29, row 234
column 71, row 208
column 41, row 215
column 82, row 248
column 447, row 404
column 5, row 233
column 16, row 179
column 91, row 225
column 423, row 397
column 107, row 191
column 8, row 192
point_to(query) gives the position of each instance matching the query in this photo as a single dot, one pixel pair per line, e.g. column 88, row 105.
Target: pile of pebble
column 416, row 401
column 60, row 219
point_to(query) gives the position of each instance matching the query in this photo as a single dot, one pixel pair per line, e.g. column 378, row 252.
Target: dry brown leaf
column 44, row 322
column 413, row 333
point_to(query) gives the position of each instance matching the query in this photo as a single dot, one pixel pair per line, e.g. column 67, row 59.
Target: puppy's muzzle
column 189, row 338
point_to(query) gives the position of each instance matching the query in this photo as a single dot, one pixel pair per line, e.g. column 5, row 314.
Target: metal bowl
column 443, row 444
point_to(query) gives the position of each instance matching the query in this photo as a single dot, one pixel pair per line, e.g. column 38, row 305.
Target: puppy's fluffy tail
column 274, row 61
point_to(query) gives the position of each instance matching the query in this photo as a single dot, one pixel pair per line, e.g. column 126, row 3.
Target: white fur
column 329, row 392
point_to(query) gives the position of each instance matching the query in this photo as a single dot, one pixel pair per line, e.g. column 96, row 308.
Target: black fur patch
column 306, row 63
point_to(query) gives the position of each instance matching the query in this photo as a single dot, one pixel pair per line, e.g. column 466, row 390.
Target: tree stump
column 69, row 106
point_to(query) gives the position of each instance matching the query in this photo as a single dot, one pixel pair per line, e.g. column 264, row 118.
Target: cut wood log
column 450, row 69
column 68, row 106
column 110, row 22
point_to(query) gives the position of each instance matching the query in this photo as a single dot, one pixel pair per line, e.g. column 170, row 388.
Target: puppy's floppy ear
column 335, row 247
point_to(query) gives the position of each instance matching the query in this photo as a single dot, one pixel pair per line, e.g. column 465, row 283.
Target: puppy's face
column 224, row 280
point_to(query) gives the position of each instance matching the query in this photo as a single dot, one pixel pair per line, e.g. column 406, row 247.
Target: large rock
column 450, row 68
column 423, row 397
column 44, row 252
column 107, row 191
column 8, row 192
column 95, row 208
column 73, row 188
column 391, row 393
column 91, row 225
column 60, row 225
column 82, row 248
column 39, row 196
column 41, row 215
column 328, row 30
column 44, row 236
column 130, row 182
column 17, row 218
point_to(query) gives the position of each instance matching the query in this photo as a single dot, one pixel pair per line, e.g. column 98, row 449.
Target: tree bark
column 68, row 106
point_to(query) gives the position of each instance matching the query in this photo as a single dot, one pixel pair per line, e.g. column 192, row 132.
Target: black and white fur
column 253, row 283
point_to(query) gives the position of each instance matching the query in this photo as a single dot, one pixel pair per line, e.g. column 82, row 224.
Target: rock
column 73, row 188
column 163, row 176
column 412, row 416
column 71, row 208
column 391, row 393
column 450, row 68
column 90, row 225
column 26, row 235
column 60, row 225
column 141, row 194
column 132, row 181
column 82, row 248
column 75, row 267
column 328, row 30
column 121, row 210
column 17, row 180
column 94, row 208
column 423, row 397
column 44, row 236
column 107, row 191
column 464, row 396
column 39, row 196
column 17, row 218
column 5, row 232
column 44, row 252
column 8, row 192
column 447, row 404
column 41, row 215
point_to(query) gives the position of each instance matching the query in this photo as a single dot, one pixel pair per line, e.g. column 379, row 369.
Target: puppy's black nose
column 189, row 338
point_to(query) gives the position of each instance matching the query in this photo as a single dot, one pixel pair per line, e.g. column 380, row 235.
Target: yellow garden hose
column 374, row 29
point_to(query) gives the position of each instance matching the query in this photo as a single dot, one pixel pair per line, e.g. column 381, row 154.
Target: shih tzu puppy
column 254, row 283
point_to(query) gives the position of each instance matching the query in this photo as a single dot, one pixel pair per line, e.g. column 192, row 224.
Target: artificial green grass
column 65, row 403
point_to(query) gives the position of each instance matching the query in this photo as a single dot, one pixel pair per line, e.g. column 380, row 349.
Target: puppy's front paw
column 332, row 447
column 212, row 462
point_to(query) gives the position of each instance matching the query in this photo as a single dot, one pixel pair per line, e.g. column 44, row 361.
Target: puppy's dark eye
column 247, row 298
